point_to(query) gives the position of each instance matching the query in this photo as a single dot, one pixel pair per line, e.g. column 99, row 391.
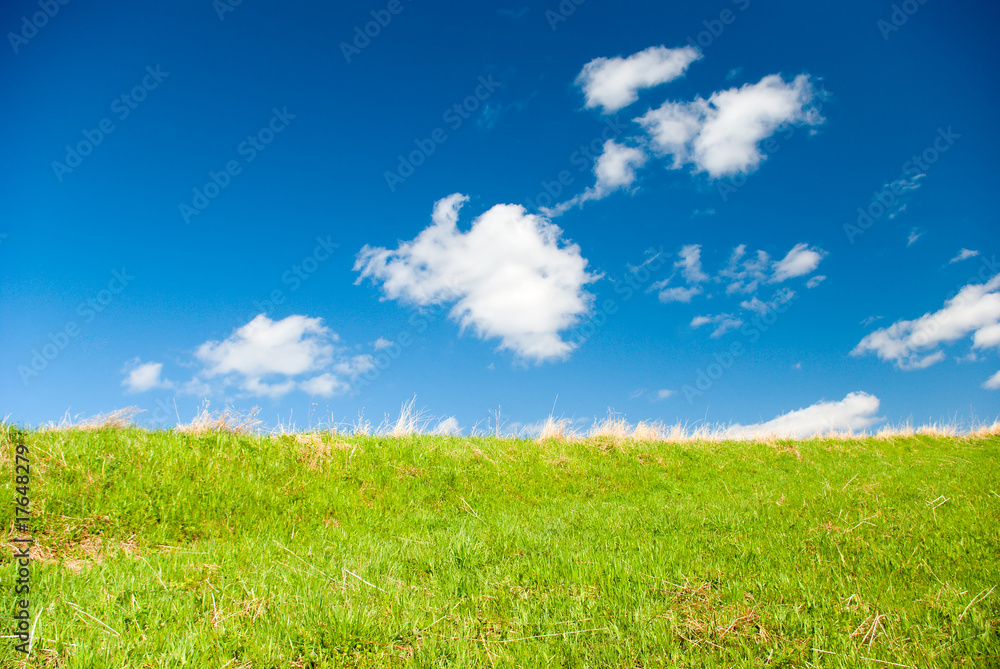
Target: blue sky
column 711, row 211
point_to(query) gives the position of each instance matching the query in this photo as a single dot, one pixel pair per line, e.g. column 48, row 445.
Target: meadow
column 216, row 548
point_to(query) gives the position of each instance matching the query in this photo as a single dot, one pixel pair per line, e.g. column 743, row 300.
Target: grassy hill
column 165, row 549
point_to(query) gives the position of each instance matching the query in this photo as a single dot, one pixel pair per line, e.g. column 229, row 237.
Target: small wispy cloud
column 801, row 260
column 743, row 275
column 964, row 254
column 871, row 319
column 723, row 323
column 913, row 236
column 614, row 170
column 144, row 376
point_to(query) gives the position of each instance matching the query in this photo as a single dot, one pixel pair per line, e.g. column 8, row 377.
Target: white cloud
column 325, row 385
column 992, row 383
column 801, row 260
column 270, row 358
column 723, row 322
column 964, row 254
column 857, row 411
column 678, row 293
column 987, row 337
column 761, row 307
column 615, row 169
column 975, row 309
column 510, row 276
column 913, row 237
column 690, row 264
column 742, row 274
column 745, row 276
column 294, row 345
column 255, row 386
column 665, row 393
column 721, row 135
column 614, row 83
column 356, row 365
column 381, row 343
column 140, row 377
column 815, row 281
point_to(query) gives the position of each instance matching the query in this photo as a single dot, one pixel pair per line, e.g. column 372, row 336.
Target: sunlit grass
column 213, row 549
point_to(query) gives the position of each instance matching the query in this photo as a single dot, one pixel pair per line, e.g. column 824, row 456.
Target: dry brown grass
column 117, row 419
column 407, row 422
column 227, row 420
column 558, row 430
column 938, row 430
column 648, row 432
column 614, row 428
column 983, row 430
column 317, row 449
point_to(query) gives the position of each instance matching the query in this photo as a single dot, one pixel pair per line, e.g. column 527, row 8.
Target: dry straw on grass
column 227, row 420
column 555, row 429
column 117, row 419
column 614, row 429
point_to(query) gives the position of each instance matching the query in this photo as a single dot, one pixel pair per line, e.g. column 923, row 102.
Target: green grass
column 238, row 551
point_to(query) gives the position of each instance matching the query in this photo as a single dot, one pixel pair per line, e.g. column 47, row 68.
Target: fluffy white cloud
column 801, row 260
column 271, row 358
column 992, row 383
column 292, row 346
column 325, row 385
column 255, row 386
column 723, row 323
column 356, row 365
column 856, row 411
column 975, row 309
column 987, row 337
column 664, row 393
column 689, row 264
column 615, row 169
column 140, row 377
column 964, row 254
column 613, row 83
column 381, row 343
column 722, row 135
column 509, row 277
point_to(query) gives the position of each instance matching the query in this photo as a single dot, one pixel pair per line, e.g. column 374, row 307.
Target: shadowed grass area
column 162, row 549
